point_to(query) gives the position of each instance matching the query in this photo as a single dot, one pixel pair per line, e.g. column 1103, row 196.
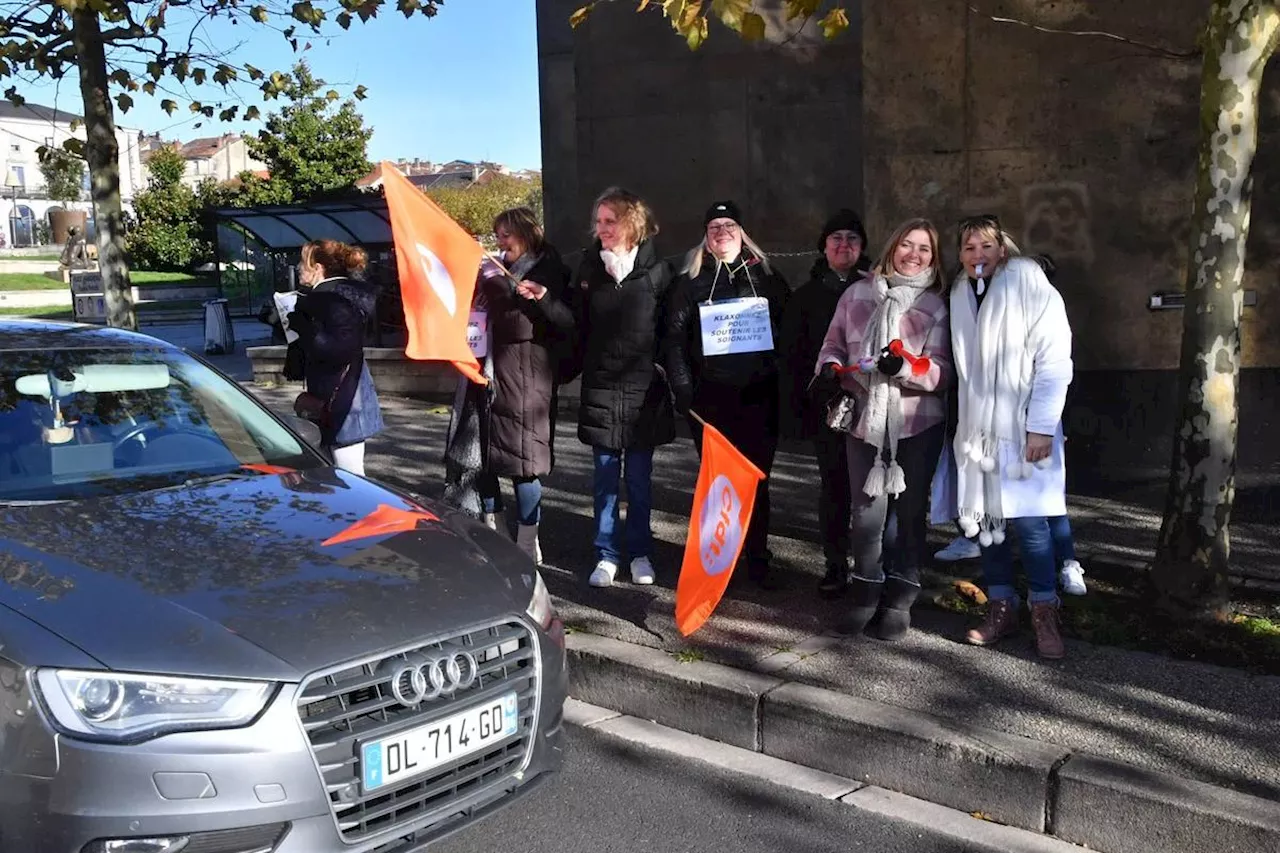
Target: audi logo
column 417, row 678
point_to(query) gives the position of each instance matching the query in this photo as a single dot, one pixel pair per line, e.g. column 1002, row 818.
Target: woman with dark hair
column 625, row 410
column 842, row 244
column 332, row 310
column 527, row 317
column 896, row 441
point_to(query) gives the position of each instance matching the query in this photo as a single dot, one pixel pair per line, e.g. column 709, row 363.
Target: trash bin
column 219, row 334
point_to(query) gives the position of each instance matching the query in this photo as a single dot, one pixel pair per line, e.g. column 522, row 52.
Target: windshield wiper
column 203, row 480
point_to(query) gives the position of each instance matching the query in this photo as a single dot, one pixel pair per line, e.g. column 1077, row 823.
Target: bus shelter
column 259, row 249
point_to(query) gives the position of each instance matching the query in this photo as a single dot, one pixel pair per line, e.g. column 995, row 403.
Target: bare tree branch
column 1153, row 48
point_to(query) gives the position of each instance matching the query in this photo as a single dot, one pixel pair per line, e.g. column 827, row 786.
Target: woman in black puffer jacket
column 737, row 391
column 625, row 411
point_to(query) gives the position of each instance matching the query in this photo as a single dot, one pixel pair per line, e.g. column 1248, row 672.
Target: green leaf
column 198, row 76
column 360, row 93
column 149, row 87
column 332, row 95
column 752, row 27
column 834, row 23
column 124, row 102
column 168, row 105
column 254, row 73
column 580, row 15
column 155, row 69
column 697, row 33
column 344, row 20
column 252, row 114
column 802, row 8
column 259, row 14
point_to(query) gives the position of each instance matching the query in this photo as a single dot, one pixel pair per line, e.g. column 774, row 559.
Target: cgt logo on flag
column 720, row 530
column 438, row 262
column 719, row 518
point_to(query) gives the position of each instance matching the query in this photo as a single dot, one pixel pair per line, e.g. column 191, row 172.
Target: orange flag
column 382, row 521
column 438, row 263
column 722, row 504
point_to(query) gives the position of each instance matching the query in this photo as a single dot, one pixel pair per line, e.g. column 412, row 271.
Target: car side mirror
column 305, row 428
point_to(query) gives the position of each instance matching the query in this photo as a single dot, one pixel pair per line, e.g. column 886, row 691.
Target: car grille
column 344, row 707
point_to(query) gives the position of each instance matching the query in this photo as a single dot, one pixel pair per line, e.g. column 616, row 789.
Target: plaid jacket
column 925, row 329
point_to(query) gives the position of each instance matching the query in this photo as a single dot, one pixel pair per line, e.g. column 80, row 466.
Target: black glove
column 302, row 324
column 683, row 395
column 889, row 364
column 828, row 379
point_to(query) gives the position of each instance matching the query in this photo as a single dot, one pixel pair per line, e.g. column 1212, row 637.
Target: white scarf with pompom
column 995, row 368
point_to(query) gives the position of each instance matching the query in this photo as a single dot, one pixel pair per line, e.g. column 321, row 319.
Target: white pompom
column 985, row 539
column 966, row 448
column 1044, row 463
column 968, row 527
column 987, row 464
column 1027, row 470
column 975, row 453
column 997, row 537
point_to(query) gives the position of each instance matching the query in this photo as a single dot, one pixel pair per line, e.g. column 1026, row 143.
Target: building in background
column 1085, row 148
column 218, row 158
column 25, row 203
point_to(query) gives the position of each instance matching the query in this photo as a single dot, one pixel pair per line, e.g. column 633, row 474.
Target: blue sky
column 462, row 85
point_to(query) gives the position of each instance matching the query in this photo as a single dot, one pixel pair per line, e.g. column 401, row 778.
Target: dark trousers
column 888, row 534
column 748, row 418
column 830, row 448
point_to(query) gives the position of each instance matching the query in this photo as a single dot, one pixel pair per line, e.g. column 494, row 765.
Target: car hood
column 234, row 579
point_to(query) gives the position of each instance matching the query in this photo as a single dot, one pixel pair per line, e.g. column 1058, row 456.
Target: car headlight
column 120, row 707
column 540, row 609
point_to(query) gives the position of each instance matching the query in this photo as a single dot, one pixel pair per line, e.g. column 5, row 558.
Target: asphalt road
column 616, row 796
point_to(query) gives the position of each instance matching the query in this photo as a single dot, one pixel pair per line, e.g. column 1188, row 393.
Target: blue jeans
column 609, row 468
column 1038, row 561
column 528, row 497
column 1064, row 545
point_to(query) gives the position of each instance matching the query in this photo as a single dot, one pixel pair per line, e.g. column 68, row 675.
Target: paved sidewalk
column 1198, row 722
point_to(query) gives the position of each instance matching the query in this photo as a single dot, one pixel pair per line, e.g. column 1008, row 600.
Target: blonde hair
column 885, row 267
column 634, row 215
column 334, row 257
column 988, row 227
column 693, row 260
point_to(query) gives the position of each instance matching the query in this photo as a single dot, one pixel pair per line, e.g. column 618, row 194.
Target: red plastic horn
column 919, row 363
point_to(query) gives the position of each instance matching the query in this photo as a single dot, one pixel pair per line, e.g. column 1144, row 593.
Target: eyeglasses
column 726, row 228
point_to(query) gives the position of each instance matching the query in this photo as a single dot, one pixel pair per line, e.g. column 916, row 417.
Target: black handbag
column 842, row 413
column 315, row 409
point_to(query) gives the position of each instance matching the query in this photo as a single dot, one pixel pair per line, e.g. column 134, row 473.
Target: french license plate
column 417, row 751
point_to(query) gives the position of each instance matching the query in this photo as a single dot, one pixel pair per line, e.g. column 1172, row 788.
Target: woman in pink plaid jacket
column 897, row 435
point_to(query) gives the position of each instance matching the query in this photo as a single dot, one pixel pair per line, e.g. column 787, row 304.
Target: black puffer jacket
column 524, row 335
column 745, row 277
column 624, row 401
column 330, row 320
column 804, row 326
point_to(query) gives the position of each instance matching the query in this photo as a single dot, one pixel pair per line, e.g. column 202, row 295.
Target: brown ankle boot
column 1044, row 620
column 1001, row 621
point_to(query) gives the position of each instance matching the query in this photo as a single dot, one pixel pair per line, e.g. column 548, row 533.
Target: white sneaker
column 959, row 549
column 641, row 571
column 1072, row 578
column 604, row 573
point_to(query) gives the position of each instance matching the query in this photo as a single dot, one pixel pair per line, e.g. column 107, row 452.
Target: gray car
column 211, row 641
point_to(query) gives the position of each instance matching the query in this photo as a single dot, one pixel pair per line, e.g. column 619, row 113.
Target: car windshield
column 82, row 423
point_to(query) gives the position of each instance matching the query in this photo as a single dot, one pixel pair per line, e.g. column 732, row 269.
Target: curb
column 1102, row 804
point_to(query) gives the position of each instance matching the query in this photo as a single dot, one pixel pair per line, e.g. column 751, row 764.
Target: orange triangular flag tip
column 264, row 468
column 722, row 503
column 381, row 522
column 438, row 262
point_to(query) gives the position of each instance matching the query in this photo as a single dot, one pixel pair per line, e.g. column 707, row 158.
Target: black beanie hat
column 843, row 220
column 722, row 210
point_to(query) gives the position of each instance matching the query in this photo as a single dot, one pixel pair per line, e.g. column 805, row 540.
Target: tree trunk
column 103, row 153
column 1192, row 557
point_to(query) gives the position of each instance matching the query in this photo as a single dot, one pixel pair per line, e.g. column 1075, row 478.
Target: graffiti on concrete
column 1056, row 221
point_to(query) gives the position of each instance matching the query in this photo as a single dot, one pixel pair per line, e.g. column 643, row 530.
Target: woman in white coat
column 1012, row 347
